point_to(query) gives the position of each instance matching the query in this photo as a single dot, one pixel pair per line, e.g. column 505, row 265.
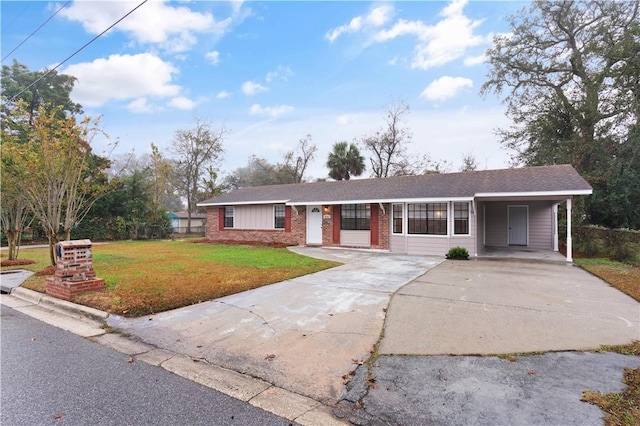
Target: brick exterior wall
column 296, row 236
column 298, row 233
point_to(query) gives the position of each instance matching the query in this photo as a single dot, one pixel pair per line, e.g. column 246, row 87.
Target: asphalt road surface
column 49, row 376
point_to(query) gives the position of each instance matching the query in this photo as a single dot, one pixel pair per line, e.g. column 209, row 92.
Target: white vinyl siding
column 427, row 246
column 435, row 245
column 254, row 217
column 398, row 244
column 355, row 238
column 540, row 223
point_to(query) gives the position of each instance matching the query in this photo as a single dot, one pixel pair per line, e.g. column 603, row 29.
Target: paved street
column 50, row 376
column 463, row 390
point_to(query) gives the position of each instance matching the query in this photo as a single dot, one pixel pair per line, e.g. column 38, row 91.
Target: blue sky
column 273, row 72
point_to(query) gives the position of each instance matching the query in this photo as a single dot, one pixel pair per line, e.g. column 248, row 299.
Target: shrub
column 458, row 253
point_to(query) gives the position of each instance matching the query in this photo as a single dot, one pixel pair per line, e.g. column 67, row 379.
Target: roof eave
column 535, row 193
column 242, row 203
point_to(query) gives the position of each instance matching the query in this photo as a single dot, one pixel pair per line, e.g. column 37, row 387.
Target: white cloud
column 213, row 57
column 156, row 22
column 345, row 119
column 140, row 105
column 376, row 17
column 121, row 77
column 182, row 102
column 272, row 111
column 223, row 95
column 282, row 72
column 445, row 88
column 475, row 60
column 251, row 88
column 441, row 43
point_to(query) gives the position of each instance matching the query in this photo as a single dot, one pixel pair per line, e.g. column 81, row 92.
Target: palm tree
column 345, row 161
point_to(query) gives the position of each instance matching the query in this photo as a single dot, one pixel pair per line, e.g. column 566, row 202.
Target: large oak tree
column 569, row 74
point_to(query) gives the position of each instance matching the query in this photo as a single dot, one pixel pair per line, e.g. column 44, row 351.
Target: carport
column 522, row 226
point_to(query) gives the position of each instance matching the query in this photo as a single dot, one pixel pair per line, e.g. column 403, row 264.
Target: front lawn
column 144, row 277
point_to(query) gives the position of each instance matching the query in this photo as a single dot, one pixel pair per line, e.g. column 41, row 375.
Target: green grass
column 144, row 277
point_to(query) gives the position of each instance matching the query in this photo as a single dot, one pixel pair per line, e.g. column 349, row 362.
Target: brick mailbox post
column 74, row 271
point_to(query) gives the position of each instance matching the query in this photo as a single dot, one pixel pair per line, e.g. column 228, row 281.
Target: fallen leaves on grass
column 149, row 277
column 622, row 409
column 49, row 270
column 17, row 262
column 622, row 276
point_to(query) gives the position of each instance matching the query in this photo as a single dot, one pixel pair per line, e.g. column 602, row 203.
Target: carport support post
column 555, row 227
column 569, row 242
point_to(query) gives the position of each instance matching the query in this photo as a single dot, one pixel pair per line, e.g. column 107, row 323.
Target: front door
column 518, row 218
column 314, row 225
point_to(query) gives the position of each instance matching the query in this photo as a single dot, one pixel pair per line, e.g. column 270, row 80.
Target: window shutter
column 287, row 219
column 375, row 215
column 220, row 218
column 336, row 224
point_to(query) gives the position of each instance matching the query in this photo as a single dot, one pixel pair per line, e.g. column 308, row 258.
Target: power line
column 36, row 30
column 15, row 18
column 77, row 51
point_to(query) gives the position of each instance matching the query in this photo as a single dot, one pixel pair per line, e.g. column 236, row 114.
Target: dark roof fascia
column 246, row 203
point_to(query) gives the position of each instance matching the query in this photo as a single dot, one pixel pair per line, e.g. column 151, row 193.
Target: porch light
column 325, row 209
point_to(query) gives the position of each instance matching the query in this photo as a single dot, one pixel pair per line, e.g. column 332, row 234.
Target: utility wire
column 36, row 30
column 77, row 51
column 6, row 27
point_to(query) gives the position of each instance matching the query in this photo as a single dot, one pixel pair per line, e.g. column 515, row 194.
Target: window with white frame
column 397, row 219
column 427, row 218
column 228, row 217
column 355, row 217
column 461, row 218
column 278, row 216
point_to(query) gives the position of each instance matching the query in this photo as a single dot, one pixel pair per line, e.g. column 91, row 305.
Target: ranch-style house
column 426, row 214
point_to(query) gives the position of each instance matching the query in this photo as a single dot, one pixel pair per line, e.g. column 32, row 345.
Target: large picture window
column 355, row 217
column 397, row 219
column 461, row 218
column 228, row 217
column 278, row 216
column 427, row 218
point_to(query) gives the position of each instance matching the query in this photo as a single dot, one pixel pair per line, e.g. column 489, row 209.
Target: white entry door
column 518, row 222
column 314, row 225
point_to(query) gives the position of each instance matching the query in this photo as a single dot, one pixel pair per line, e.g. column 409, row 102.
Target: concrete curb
column 58, row 305
column 255, row 391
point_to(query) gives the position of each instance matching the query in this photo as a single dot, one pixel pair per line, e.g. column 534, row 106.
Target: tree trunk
column 12, row 240
column 53, row 239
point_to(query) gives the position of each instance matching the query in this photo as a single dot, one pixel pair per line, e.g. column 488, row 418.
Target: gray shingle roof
column 560, row 179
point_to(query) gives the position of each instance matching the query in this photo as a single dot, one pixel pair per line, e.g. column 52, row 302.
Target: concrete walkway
column 303, row 335
column 507, row 306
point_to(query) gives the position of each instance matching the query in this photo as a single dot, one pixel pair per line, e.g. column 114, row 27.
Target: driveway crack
column 264, row 321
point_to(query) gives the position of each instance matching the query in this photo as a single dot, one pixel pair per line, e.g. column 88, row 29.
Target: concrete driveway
column 303, row 334
column 495, row 307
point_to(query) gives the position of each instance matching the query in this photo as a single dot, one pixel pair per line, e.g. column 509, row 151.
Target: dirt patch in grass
column 622, row 276
column 17, row 262
column 49, row 270
column 153, row 276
